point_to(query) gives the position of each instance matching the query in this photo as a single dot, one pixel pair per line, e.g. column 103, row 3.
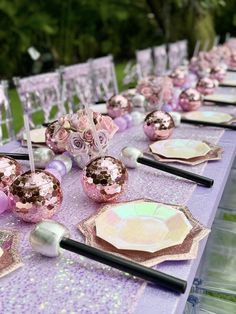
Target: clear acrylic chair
column 130, row 74
column 77, row 85
column 200, row 303
column 144, row 62
column 103, row 78
column 183, row 50
column 41, row 93
column 174, row 59
column 217, row 270
column 160, row 59
column 6, row 119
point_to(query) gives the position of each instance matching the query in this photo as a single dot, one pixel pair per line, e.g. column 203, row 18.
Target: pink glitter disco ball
column 178, row 77
column 190, row 99
column 206, row 86
column 35, row 196
column 218, row 73
column 232, row 63
column 118, row 106
column 104, row 179
column 9, row 170
column 56, row 137
column 158, row 125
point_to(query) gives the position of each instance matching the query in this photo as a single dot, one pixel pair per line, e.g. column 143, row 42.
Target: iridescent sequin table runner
column 73, row 284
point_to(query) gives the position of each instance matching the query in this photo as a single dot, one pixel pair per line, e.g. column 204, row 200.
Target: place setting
column 184, row 151
column 144, row 231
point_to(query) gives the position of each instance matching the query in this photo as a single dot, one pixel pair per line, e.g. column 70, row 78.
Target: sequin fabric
column 9, row 170
column 10, row 259
column 74, row 284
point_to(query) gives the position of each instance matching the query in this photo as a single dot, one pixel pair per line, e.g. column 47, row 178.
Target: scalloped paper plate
column 209, row 116
column 145, row 226
column 180, row 148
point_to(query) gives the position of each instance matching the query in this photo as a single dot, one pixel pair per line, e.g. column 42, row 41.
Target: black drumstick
column 132, row 157
column 208, row 123
column 49, row 236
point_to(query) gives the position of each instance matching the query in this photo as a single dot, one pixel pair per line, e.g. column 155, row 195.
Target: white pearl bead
column 45, row 238
column 138, row 101
column 216, row 83
column 81, row 160
column 137, row 117
column 66, row 160
column 176, row 117
column 42, row 156
column 129, row 156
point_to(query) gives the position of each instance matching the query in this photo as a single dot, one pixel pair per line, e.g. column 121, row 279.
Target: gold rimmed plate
column 180, row 148
column 188, row 249
column 10, row 258
column 221, row 98
column 214, row 154
column 144, row 226
column 209, row 116
column 228, row 83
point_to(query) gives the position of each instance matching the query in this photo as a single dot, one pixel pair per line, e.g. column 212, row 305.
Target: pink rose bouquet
column 156, row 90
column 76, row 133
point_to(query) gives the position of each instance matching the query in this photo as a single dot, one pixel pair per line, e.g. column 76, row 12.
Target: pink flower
column 146, row 91
column 103, row 136
column 76, row 145
column 61, row 135
column 79, row 122
column 88, row 136
column 106, row 123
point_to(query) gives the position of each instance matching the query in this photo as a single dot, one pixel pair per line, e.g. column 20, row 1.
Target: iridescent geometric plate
column 36, row 135
column 188, row 249
column 209, row 116
column 224, row 98
column 144, row 226
column 180, row 148
column 10, row 259
column 228, row 83
column 214, row 154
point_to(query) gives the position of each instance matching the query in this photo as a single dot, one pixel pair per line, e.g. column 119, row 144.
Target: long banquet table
column 73, row 284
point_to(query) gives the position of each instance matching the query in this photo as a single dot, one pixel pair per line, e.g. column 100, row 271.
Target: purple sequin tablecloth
column 74, row 284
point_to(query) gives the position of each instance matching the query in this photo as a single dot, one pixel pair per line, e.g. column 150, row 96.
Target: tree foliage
column 74, row 30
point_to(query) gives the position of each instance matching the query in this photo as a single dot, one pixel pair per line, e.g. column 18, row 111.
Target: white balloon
column 66, row 160
column 176, row 117
column 137, row 117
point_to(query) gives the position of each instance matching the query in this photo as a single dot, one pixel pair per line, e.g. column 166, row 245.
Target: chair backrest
column 144, row 62
column 183, row 50
column 6, row 119
column 160, row 59
column 174, row 55
column 130, row 74
column 104, row 78
column 41, row 93
column 77, row 85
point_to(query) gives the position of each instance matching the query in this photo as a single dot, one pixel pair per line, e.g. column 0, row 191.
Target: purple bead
column 58, row 165
column 55, row 173
column 128, row 119
column 166, row 108
column 121, row 123
column 3, row 202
